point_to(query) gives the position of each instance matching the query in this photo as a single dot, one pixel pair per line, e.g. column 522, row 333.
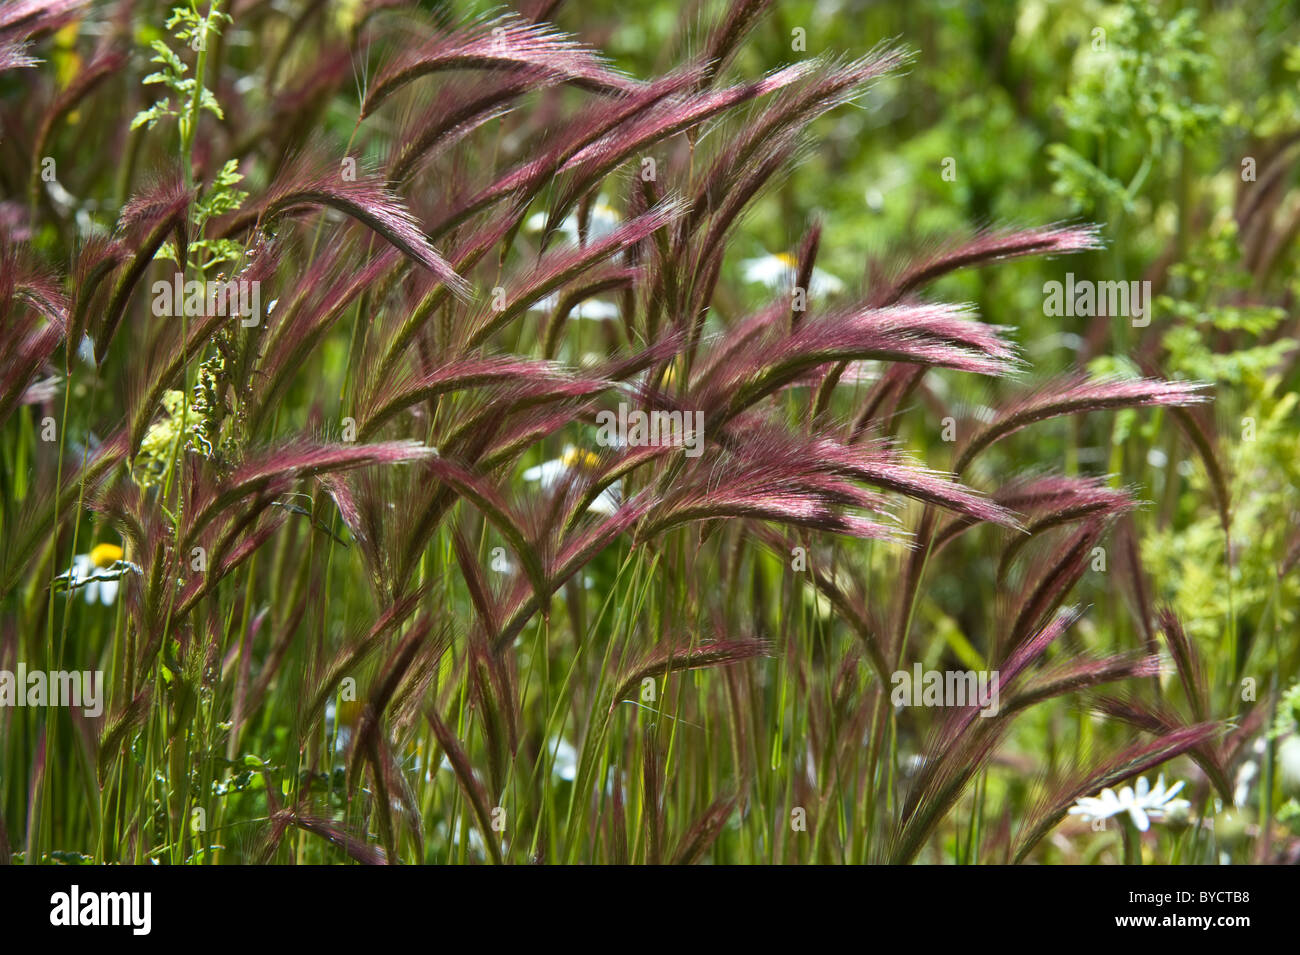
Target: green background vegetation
column 1141, row 128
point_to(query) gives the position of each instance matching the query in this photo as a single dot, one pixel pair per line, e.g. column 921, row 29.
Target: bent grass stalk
column 772, row 683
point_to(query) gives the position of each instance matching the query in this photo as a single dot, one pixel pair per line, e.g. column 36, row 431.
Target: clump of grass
column 350, row 628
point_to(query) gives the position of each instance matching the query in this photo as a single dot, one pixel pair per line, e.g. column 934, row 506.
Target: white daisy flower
column 592, row 309
column 477, row 847
column 778, row 271
column 601, row 221
column 565, row 759
column 1143, row 804
column 97, row 573
column 549, row 473
column 1244, row 784
column 1288, row 765
column 341, row 720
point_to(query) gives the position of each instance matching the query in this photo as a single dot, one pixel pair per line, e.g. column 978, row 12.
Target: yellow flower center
column 105, row 555
column 786, row 259
column 350, row 712
column 578, row 457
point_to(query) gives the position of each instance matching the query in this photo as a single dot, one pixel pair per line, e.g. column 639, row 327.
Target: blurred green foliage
column 1173, row 126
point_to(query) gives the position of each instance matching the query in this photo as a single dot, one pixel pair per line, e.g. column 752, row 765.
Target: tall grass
column 384, row 596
